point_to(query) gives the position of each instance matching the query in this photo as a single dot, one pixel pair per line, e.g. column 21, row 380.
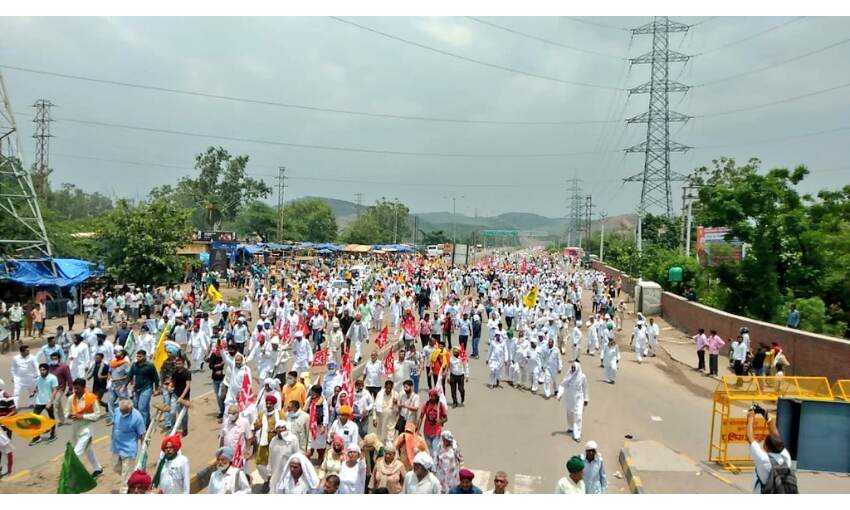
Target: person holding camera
column 773, row 473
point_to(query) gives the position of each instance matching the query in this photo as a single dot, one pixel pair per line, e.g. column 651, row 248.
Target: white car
column 339, row 284
column 433, row 250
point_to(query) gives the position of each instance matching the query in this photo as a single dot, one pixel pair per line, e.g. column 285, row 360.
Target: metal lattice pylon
column 17, row 196
column 656, row 175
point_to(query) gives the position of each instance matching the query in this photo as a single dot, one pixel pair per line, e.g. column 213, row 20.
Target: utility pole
column 395, row 221
column 41, row 168
column 281, row 185
column 454, row 218
column 588, row 215
column 574, row 218
column 17, row 196
column 656, row 176
column 602, row 216
column 688, row 199
column 359, row 202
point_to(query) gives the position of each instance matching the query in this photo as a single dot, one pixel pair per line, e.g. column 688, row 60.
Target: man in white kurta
column 574, row 396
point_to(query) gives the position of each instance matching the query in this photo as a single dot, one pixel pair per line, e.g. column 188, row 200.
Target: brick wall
column 810, row 354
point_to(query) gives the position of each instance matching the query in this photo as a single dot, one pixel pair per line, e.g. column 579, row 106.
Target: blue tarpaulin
column 38, row 273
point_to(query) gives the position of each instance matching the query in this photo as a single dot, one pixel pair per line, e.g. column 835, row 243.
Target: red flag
column 463, row 356
column 303, row 327
column 382, row 338
column 284, row 335
column 246, row 395
column 347, row 381
column 321, row 358
column 389, row 364
column 238, row 456
column 409, row 326
column 524, row 267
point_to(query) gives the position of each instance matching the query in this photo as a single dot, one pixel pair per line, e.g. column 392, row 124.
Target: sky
column 327, row 63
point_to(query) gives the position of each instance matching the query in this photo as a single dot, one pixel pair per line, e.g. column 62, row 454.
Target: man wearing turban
column 574, row 482
column 139, row 482
column 172, row 471
column 266, row 426
column 227, row 479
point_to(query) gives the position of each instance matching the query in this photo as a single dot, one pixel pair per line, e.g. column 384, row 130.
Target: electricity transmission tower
column 588, row 215
column 41, row 168
column 24, row 235
column 281, row 185
column 359, row 202
column 575, row 203
column 656, row 176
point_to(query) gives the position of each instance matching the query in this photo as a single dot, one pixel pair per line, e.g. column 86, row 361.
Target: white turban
column 424, row 460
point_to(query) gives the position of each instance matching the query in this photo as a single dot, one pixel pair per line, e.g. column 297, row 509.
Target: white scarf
column 264, row 433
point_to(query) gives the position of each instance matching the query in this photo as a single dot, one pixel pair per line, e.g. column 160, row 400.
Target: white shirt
column 352, row 480
column 374, row 371
column 428, row 485
column 24, row 370
column 348, row 433
column 174, row 478
column 232, row 481
column 762, row 463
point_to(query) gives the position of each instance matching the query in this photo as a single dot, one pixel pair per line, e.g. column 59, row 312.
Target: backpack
column 780, row 480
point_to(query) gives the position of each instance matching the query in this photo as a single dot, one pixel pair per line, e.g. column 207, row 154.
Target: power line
column 472, row 60
column 596, row 24
column 780, row 139
column 776, row 102
column 750, row 37
column 545, row 41
column 174, row 166
column 776, row 64
column 327, row 147
column 267, row 102
column 700, row 22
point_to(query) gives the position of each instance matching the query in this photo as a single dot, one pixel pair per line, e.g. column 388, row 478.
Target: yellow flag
column 531, row 298
column 213, row 294
column 160, row 355
column 27, row 425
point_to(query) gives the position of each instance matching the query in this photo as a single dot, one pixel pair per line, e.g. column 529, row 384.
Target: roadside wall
column 810, row 354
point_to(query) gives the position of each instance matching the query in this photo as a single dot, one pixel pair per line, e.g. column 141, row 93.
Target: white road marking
column 525, row 484
column 656, row 418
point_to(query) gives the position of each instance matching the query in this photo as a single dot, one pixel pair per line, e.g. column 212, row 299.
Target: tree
column 139, row 244
column 220, row 190
column 435, row 237
column 383, row 223
column 661, row 231
column 767, row 213
column 71, row 203
column 257, row 218
column 309, row 219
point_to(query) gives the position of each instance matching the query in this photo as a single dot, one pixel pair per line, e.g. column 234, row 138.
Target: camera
column 759, row 410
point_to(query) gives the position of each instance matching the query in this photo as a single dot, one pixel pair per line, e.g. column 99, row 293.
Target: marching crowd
column 340, row 433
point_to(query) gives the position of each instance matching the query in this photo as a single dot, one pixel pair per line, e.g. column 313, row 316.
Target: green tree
column 257, row 218
column 309, row 219
column 139, row 244
column 661, row 231
column 435, row 237
column 382, row 223
column 219, row 191
column 71, row 203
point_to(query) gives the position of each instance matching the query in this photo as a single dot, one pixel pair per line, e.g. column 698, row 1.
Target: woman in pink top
column 425, row 330
column 715, row 343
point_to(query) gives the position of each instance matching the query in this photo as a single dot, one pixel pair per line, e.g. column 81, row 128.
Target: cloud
column 446, row 30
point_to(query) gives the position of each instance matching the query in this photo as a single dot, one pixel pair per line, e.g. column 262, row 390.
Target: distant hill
column 346, row 212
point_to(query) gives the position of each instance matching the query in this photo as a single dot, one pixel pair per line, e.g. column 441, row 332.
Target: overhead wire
column 544, row 40
column 472, row 60
column 749, row 38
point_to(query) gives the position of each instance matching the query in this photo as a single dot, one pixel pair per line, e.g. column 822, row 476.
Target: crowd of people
column 384, row 430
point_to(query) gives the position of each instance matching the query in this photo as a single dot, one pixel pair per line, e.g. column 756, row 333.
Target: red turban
column 174, row 440
column 139, row 479
column 271, row 398
column 466, row 474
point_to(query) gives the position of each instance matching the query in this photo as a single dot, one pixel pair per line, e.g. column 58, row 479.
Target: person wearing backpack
column 773, row 473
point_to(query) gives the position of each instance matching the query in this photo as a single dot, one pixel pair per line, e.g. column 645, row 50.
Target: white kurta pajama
column 573, row 394
column 611, row 361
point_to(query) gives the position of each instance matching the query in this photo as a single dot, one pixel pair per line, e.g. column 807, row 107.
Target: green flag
column 74, row 478
column 130, row 344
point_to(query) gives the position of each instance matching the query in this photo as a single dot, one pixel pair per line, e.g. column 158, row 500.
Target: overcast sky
column 325, row 63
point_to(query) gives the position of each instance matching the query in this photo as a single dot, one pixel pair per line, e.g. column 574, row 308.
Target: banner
column 321, row 358
column 734, row 430
column 389, row 364
column 130, row 344
column 409, row 326
column 74, row 477
column 246, row 394
column 27, row 425
column 347, row 381
column 383, row 337
column 213, row 294
column 160, row 354
column 531, row 298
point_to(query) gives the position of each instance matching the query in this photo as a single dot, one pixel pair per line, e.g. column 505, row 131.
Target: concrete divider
column 635, row 483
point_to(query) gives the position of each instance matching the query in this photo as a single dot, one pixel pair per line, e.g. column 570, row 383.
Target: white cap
column 591, row 445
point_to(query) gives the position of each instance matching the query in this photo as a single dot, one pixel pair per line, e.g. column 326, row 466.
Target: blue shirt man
column 793, row 318
column 465, row 486
column 128, row 427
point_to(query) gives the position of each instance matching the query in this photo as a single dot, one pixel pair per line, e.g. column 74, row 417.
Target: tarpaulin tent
column 327, row 246
column 38, row 273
